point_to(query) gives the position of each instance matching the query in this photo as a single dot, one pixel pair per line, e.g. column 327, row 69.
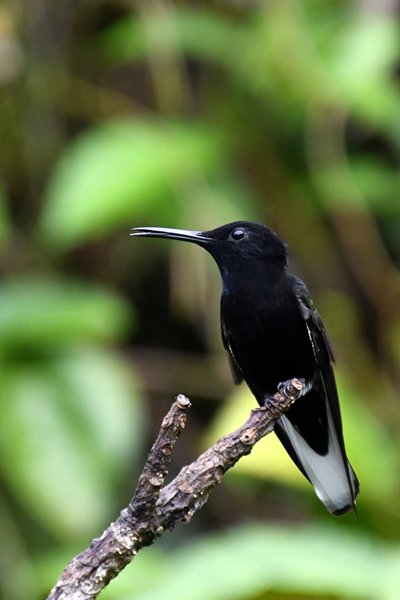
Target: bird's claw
column 292, row 388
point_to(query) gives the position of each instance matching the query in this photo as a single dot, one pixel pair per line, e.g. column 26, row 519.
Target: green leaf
column 238, row 47
column 118, row 172
column 250, row 561
column 42, row 313
column 378, row 184
column 366, row 52
column 68, row 428
column 128, row 39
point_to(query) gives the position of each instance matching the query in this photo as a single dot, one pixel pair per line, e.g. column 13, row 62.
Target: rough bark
column 155, row 508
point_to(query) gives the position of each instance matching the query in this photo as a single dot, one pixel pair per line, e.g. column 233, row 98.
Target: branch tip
column 182, row 401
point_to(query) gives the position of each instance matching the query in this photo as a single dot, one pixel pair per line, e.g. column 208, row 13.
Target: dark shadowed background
column 191, row 114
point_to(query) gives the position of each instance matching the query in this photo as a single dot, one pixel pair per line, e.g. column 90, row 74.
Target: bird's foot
column 292, row 388
column 288, row 392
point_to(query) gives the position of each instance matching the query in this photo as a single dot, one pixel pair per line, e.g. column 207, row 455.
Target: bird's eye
column 237, row 234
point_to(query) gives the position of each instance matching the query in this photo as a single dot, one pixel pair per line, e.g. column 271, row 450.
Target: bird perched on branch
column 272, row 333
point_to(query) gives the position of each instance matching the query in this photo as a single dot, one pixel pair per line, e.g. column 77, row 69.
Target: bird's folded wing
column 327, row 468
column 322, row 350
column 236, row 371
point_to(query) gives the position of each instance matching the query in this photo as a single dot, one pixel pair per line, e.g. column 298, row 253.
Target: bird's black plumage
column 272, row 333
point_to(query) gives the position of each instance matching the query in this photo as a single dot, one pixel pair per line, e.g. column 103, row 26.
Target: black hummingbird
column 272, row 333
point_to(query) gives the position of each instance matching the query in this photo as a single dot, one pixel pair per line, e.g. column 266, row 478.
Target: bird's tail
column 324, row 463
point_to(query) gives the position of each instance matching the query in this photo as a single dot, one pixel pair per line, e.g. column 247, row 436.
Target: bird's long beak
column 196, row 237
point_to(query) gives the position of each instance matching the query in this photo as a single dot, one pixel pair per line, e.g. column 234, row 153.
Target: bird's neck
column 255, row 279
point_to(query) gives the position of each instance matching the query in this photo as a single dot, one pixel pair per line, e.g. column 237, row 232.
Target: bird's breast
column 268, row 338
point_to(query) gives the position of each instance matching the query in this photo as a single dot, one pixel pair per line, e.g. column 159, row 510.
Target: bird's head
column 231, row 245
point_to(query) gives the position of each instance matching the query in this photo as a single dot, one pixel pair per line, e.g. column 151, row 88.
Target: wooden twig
column 153, row 509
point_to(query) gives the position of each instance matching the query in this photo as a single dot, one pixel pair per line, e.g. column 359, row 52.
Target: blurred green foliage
column 191, row 115
column 123, row 169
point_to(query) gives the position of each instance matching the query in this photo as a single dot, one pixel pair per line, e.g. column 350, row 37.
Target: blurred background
column 192, row 114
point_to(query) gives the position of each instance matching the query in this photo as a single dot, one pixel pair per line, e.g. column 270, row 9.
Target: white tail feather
column 328, row 474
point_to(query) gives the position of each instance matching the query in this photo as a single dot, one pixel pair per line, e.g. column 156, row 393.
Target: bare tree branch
column 153, row 509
